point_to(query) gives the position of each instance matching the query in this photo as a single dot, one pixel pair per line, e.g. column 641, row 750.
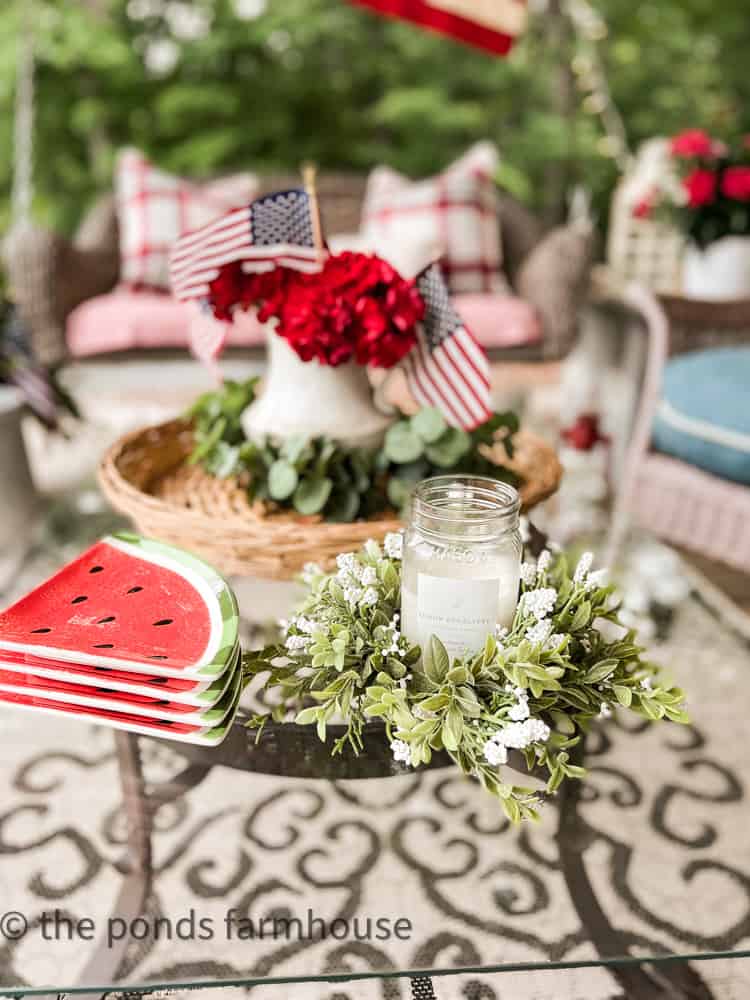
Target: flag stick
column 309, row 171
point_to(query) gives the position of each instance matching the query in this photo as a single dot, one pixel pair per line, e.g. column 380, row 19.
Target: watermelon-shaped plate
column 129, row 603
column 169, row 729
column 116, row 701
column 186, row 690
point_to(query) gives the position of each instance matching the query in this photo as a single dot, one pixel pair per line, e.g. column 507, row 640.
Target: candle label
column 461, row 613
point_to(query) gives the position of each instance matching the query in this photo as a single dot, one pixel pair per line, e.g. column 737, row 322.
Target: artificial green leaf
column 452, row 728
column 512, row 809
column 623, row 694
column 458, row 675
column 581, row 617
column 413, row 472
column 449, row 449
column 652, row 710
column 435, row 660
column 563, row 723
column 311, row 495
column 574, row 696
column 327, row 450
column 399, row 490
column 208, row 442
column 282, row 479
column 343, row 505
column 677, row 715
column 296, row 450
column 390, row 577
column 222, row 461
column 429, row 424
column 402, row 444
column 468, row 700
column 599, row 671
column 490, row 649
column 434, row 703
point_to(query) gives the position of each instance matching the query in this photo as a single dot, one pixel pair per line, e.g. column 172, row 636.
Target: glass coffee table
column 136, row 865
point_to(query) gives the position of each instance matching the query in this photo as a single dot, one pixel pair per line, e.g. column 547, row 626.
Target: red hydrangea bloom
column 226, row 291
column 357, row 306
column 735, row 183
column 701, row 187
column 693, row 142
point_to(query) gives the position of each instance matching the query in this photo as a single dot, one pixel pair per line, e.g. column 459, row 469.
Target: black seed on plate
column 160, row 680
column 104, row 645
column 96, row 569
column 103, row 621
column 164, row 621
column 38, row 631
column 80, row 599
column 158, row 656
column 161, row 703
column 135, row 590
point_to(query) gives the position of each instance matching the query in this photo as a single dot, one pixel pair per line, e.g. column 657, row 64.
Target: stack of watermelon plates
column 133, row 634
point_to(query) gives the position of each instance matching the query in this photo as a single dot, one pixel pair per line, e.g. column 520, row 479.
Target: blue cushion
column 704, row 415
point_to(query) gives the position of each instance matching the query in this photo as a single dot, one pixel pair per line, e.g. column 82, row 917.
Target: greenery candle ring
column 536, row 686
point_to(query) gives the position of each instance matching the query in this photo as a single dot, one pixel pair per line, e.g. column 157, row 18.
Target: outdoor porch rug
column 664, row 842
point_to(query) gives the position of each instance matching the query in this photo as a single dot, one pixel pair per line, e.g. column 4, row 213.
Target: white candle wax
column 460, row 602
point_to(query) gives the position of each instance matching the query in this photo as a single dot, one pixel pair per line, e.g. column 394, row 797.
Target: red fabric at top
column 447, row 23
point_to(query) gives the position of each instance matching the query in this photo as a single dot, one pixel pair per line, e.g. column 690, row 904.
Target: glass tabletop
column 131, row 863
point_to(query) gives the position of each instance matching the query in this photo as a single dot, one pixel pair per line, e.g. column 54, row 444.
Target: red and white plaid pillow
column 154, row 208
column 456, row 212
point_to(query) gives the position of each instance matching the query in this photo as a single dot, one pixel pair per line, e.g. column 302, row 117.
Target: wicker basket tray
column 146, row 476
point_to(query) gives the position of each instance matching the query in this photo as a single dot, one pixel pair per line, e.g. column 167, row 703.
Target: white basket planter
column 641, row 250
column 720, row 272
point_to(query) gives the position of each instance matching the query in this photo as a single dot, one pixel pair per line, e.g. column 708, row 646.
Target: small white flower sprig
column 534, row 688
column 346, row 634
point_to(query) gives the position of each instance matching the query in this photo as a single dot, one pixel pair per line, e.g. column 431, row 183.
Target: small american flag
column 447, row 368
column 276, row 230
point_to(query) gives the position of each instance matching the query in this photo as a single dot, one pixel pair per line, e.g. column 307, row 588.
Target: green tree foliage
column 264, row 85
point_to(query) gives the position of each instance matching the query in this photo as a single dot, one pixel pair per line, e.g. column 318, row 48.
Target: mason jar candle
column 461, row 561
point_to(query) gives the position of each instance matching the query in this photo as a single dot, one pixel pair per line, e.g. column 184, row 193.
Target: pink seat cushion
column 126, row 321
column 499, row 321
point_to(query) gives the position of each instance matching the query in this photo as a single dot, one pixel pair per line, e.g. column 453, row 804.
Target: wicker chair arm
column 695, row 323
column 33, row 259
column 49, row 276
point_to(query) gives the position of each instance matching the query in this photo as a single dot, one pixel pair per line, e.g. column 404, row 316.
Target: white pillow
column 455, row 213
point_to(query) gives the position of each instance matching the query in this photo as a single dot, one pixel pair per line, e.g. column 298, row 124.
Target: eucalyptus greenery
column 534, row 688
column 319, row 476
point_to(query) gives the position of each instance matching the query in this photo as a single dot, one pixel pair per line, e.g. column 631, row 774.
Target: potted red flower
column 704, row 186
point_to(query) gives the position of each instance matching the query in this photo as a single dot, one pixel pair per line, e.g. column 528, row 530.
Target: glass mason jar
column 461, row 561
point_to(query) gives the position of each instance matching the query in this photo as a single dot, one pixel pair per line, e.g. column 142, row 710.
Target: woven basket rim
column 248, row 540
